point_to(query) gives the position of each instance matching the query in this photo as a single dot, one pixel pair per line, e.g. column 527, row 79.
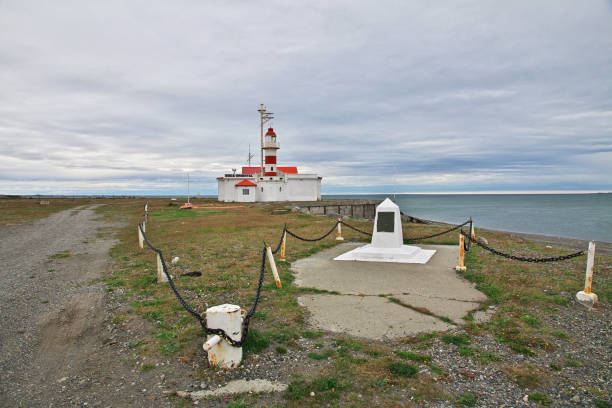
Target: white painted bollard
column 586, row 297
column 273, row 267
column 221, row 353
column 283, row 246
column 461, row 267
column 161, row 276
column 339, row 237
column 144, row 226
column 472, row 233
column 140, row 239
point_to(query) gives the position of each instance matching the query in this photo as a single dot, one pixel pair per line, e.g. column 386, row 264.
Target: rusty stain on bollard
column 161, row 276
column 461, row 267
column 229, row 319
column 586, row 297
column 273, row 267
column 140, row 239
column 339, row 237
column 282, row 257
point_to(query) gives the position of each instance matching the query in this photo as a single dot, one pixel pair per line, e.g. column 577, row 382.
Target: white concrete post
column 472, row 233
column 140, row 239
column 283, row 246
column 586, row 297
column 161, row 276
column 273, row 267
column 461, row 267
column 339, row 237
column 221, row 353
column 144, row 227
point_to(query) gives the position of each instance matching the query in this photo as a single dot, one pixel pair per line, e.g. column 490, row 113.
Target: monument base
column 403, row 254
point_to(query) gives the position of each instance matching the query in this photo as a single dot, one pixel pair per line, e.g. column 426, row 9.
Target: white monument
column 388, row 241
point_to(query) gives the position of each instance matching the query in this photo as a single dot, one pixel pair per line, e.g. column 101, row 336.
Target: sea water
column 582, row 216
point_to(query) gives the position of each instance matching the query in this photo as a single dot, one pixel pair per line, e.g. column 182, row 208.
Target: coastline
column 576, row 244
column 601, row 247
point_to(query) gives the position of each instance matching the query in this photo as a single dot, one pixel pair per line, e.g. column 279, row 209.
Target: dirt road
column 57, row 346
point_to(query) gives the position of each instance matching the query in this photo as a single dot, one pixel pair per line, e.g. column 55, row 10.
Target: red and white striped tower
column 270, row 147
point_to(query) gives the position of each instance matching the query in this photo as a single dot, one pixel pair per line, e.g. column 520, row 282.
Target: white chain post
column 339, row 237
column 140, row 239
column 273, row 267
column 472, row 232
column 461, row 267
column 161, row 276
column 220, row 352
column 586, row 297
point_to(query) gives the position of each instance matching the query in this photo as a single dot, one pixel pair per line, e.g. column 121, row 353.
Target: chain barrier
column 356, row 229
column 193, row 312
column 314, row 239
column 420, row 238
column 522, row 258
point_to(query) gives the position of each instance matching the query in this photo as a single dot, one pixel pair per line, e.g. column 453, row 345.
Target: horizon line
column 485, row 192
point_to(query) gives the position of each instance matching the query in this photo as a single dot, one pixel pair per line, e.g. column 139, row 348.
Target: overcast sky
column 128, row 97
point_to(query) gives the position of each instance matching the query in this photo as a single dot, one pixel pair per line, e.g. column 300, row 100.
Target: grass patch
column 466, row 400
column 61, row 255
column 601, row 403
column 147, row 367
column 540, row 399
column 530, row 320
column 307, row 334
column 456, row 339
column 255, row 342
column 526, row 377
column 414, row 356
column 402, row 369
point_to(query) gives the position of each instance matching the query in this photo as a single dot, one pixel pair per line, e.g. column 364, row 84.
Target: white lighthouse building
column 269, row 182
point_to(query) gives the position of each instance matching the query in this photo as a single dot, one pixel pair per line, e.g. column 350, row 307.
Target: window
column 262, row 189
column 280, row 189
column 245, row 191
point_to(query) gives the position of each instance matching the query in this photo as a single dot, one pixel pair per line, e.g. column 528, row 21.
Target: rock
column 575, row 398
column 526, row 398
column 175, row 260
column 312, row 394
column 482, row 240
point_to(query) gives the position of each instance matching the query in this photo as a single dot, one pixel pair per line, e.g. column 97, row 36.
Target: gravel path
column 54, row 330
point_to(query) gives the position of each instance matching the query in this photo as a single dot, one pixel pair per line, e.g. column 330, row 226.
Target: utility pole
column 265, row 117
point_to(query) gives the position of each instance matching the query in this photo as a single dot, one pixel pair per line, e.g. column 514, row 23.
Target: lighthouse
column 268, row 182
column 270, row 147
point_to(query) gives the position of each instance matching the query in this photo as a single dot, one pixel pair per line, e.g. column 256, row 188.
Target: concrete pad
column 372, row 317
column 235, row 387
column 453, row 309
column 402, row 254
column 434, row 286
column 437, row 278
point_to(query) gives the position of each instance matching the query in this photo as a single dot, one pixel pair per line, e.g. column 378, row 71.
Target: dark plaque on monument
column 386, row 222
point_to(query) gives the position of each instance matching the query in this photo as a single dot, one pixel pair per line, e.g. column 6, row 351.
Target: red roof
column 255, row 170
column 270, row 132
column 246, row 183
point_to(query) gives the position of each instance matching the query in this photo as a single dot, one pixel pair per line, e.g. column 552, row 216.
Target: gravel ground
column 54, row 329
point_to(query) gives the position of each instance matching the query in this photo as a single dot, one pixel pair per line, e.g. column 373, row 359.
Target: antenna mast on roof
column 251, row 155
column 265, row 117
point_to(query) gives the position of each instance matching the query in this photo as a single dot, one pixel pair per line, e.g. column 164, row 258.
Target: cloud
column 116, row 97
